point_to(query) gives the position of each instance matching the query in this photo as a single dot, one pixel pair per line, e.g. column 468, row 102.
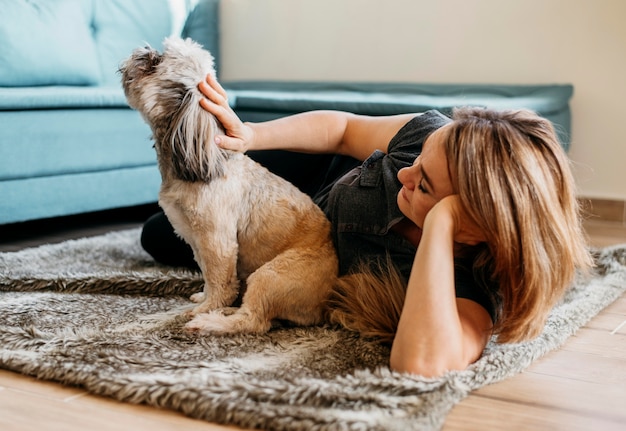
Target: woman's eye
column 421, row 188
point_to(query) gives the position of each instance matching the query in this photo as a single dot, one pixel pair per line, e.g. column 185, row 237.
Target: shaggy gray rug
column 97, row 313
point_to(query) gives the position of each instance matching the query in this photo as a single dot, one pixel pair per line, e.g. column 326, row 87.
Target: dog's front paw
column 205, row 306
column 198, row 297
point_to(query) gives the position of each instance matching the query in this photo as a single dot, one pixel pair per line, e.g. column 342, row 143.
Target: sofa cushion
column 47, row 43
column 121, row 26
column 391, row 98
column 264, row 100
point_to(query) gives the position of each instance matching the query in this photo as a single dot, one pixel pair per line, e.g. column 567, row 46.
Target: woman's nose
column 404, row 176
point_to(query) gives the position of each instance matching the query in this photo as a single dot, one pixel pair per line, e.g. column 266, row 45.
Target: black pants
column 312, row 174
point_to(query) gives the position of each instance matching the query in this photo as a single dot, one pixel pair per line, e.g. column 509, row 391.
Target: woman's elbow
column 429, row 366
column 424, row 368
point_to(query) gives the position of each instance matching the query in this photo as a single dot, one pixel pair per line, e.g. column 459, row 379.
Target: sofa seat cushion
column 46, row 143
column 42, row 197
column 53, row 97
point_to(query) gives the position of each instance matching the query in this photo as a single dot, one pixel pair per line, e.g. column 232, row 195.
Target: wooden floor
column 582, row 386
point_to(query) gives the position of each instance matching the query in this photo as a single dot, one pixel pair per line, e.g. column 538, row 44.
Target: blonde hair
column 515, row 182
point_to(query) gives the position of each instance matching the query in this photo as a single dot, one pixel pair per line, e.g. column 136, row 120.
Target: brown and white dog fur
column 246, row 226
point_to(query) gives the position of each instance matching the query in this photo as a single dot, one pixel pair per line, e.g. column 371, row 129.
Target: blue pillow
column 47, row 42
column 123, row 25
column 202, row 25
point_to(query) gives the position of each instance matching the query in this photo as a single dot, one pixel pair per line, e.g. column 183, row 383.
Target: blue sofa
column 70, row 144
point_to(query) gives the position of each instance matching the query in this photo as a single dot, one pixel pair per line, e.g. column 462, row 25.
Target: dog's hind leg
column 294, row 286
column 229, row 321
column 289, row 288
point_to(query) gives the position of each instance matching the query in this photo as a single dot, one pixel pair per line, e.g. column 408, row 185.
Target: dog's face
column 163, row 88
column 155, row 83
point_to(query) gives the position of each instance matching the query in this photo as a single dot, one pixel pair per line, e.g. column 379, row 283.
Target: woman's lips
column 404, row 195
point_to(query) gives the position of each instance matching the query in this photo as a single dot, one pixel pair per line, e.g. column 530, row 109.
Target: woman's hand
column 465, row 230
column 239, row 136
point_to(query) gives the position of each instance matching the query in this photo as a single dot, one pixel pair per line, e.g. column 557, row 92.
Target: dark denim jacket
column 362, row 207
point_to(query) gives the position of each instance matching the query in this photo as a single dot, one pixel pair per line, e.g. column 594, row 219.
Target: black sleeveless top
column 362, row 206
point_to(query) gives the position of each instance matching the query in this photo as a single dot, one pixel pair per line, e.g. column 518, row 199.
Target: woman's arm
column 332, row 132
column 438, row 332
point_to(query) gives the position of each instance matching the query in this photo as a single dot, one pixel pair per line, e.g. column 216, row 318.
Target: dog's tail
column 369, row 301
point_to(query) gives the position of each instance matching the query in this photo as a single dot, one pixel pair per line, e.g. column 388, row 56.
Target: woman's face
column 427, row 181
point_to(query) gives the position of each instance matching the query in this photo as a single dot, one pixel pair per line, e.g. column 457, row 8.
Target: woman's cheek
column 406, row 207
column 403, row 204
column 419, row 209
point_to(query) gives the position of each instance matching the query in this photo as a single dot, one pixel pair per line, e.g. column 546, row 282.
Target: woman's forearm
column 428, row 338
column 309, row 132
column 437, row 332
column 329, row 132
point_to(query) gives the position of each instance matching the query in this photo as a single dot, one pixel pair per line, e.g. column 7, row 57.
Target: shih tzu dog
column 246, row 226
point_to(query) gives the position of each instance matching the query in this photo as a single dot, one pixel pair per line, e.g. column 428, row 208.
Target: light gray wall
column 582, row 42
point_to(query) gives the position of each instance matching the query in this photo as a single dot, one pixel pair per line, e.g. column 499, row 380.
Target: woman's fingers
column 466, row 231
column 216, row 103
column 223, row 113
column 216, row 96
column 212, row 81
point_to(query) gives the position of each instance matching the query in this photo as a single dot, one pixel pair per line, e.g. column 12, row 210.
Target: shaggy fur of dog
column 244, row 224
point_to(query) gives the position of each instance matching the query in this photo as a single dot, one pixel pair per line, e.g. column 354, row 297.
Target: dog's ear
column 195, row 156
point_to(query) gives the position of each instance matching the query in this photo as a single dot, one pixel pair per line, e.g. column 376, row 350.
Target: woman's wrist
column 439, row 221
column 250, row 135
column 449, row 214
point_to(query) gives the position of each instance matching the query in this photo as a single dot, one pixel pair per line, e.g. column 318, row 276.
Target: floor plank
column 80, row 410
column 546, row 391
column 480, row 413
column 37, row 388
column 23, row 412
column 583, row 367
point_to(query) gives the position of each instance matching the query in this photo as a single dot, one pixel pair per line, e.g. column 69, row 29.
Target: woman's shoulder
column 475, row 282
column 412, row 135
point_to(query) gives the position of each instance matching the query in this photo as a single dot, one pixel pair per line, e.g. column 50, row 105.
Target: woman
column 449, row 231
